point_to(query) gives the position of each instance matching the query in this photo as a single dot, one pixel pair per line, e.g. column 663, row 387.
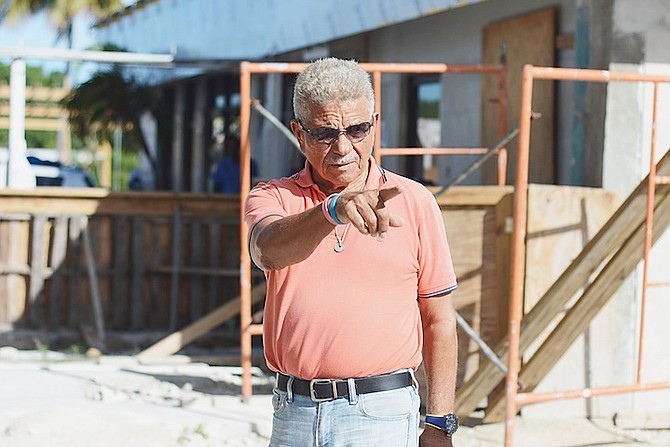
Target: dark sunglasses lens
column 324, row 134
column 358, row 131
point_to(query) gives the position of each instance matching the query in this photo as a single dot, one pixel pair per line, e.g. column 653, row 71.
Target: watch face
column 451, row 424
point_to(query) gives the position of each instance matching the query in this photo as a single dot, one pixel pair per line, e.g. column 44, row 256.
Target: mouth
column 342, row 164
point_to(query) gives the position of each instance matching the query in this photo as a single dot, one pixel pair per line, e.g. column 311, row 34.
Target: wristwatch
column 448, row 423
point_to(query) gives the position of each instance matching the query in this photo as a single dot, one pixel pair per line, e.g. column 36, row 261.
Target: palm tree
column 60, row 12
column 110, row 100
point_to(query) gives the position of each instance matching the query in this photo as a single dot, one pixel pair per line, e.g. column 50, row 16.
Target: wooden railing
column 120, row 261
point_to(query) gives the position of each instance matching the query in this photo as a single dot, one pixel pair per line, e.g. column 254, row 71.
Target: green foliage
column 129, row 162
column 35, row 77
column 429, row 109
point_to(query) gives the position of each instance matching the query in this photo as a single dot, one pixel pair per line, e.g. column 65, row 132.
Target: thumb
column 396, row 221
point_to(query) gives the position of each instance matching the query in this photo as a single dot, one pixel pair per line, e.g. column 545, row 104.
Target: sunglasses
column 328, row 135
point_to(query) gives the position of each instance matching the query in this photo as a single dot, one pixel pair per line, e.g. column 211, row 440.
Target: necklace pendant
column 339, row 247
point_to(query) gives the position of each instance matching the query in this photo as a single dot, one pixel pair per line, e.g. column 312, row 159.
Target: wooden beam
column 610, row 237
column 580, row 315
column 177, row 340
column 37, row 111
column 38, row 124
column 37, row 93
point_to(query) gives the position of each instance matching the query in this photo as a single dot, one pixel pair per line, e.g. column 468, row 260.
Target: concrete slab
column 58, row 401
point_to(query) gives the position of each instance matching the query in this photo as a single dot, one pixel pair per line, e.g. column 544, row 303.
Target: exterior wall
column 626, row 163
column 638, row 45
column 455, row 37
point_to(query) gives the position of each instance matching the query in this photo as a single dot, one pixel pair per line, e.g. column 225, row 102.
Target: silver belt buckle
column 312, row 393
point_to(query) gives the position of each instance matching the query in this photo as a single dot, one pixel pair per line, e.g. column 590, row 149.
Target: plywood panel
column 561, row 221
column 526, row 39
column 474, row 218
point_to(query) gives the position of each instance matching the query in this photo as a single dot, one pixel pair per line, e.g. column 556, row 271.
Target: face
column 342, row 164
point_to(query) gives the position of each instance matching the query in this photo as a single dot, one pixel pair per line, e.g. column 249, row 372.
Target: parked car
column 54, row 173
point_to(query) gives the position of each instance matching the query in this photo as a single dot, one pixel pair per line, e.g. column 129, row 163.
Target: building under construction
column 541, row 127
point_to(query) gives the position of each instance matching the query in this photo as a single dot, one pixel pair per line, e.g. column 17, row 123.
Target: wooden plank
column 580, row 315
column 16, row 285
column 196, row 254
column 138, row 249
column 58, row 253
column 38, row 111
column 471, row 195
column 121, row 245
column 37, row 93
column 154, row 317
column 74, row 279
column 48, row 124
column 177, row 340
column 35, row 294
column 100, row 228
column 176, row 264
column 214, row 284
column 611, row 236
column 94, row 289
column 88, row 201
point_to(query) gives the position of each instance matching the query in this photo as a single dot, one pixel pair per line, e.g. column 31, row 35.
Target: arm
column 440, row 354
column 277, row 242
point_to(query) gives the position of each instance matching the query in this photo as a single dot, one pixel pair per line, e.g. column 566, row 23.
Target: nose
column 341, row 145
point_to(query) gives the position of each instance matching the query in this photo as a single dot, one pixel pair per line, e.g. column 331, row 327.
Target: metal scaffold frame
column 247, row 327
column 514, row 399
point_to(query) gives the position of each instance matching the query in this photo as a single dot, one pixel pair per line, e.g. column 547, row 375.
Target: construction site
column 554, row 186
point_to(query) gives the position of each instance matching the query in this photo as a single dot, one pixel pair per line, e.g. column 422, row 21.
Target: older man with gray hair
column 359, row 275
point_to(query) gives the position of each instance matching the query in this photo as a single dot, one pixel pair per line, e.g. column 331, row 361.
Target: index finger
column 389, row 193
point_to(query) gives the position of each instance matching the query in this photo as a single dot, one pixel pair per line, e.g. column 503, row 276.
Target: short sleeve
column 436, row 269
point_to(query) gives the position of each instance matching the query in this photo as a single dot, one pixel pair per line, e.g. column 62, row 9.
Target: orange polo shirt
column 354, row 313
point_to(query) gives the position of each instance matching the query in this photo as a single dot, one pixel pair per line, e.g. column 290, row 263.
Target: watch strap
column 448, row 423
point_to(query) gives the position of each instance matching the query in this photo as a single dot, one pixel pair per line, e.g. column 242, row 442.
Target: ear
column 299, row 134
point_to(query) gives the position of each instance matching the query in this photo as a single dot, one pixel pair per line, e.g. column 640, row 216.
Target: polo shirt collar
column 376, row 176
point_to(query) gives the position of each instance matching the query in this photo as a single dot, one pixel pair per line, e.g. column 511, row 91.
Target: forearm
column 289, row 240
column 440, row 354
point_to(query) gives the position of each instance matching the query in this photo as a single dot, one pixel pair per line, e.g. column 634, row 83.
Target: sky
column 36, row 32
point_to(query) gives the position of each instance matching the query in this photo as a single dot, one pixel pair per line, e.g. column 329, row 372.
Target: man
column 358, row 271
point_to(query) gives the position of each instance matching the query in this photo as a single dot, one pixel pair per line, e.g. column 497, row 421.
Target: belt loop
column 289, row 389
column 416, row 382
column 353, row 395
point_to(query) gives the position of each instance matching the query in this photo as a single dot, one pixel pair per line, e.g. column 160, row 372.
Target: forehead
column 345, row 112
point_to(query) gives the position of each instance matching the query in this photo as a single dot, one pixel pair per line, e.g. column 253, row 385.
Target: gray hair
column 330, row 80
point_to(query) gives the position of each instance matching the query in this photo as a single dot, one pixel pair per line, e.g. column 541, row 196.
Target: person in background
column 359, row 276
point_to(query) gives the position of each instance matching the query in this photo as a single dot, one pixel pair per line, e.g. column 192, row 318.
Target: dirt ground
column 55, row 400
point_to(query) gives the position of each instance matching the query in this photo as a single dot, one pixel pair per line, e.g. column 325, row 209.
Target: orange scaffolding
column 247, row 327
column 514, row 398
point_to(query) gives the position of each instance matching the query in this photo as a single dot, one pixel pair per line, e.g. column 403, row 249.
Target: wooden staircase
column 611, row 255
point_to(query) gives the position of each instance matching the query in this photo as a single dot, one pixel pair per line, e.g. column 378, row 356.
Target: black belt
column 320, row 390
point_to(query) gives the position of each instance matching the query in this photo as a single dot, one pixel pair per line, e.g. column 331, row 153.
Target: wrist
column 447, row 423
column 328, row 209
column 332, row 211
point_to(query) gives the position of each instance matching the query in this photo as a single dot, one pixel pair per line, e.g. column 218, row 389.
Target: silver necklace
column 339, row 245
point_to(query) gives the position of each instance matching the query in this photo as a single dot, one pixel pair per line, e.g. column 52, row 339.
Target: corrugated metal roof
column 241, row 29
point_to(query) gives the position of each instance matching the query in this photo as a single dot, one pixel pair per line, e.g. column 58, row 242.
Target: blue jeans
column 387, row 418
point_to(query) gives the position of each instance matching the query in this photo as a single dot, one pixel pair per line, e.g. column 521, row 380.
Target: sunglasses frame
column 344, row 132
